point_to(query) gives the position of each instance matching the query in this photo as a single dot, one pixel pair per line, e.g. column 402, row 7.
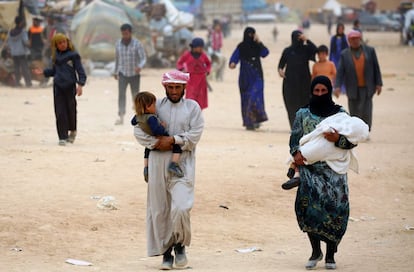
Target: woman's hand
column 281, row 73
column 37, row 71
column 332, row 136
column 299, row 159
column 79, row 90
column 232, row 65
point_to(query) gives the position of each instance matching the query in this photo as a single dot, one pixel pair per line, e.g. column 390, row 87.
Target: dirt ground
column 48, row 192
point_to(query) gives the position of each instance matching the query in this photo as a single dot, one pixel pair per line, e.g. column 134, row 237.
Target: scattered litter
column 281, row 252
column 99, row 160
column 96, row 197
column 253, row 166
column 390, row 89
column 18, row 249
column 78, row 262
column 107, row 203
column 126, row 143
column 353, row 219
column 367, row 218
column 224, row 207
column 409, row 227
column 248, row 250
column 94, row 228
column 27, row 103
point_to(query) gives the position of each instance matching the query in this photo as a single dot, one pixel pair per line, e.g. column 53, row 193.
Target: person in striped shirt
column 130, row 58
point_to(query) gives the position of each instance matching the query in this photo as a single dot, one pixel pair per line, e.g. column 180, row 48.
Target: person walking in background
column 216, row 37
column 69, row 79
column 294, row 69
column 130, row 58
column 360, row 72
column 18, row 43
column 170, row 198
column 324, row 67
column 198, row 65
column 322, row 199
column 36, row 43
column 251, row 80
column 337, row 44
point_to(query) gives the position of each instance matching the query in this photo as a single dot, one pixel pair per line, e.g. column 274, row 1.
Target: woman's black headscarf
column 249, row 48
column 323, row 105
column 296, row 42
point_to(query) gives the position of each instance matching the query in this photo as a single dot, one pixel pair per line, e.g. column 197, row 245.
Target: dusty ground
column 47, row 207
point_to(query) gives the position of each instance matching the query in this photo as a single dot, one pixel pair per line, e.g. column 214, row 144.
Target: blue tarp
column 249, row 5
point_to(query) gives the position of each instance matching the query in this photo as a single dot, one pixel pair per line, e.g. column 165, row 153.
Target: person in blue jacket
column 69, row 79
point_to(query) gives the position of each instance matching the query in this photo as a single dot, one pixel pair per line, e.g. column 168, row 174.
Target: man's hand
column 232, row 65
column 299, row 159
column 164, row 143
column 137, row 70
column 378, row 89
column 116, row 77
column 337, row 92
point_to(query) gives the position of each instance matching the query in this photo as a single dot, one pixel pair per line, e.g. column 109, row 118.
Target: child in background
column 149, row 122
column 69, row 78
column 198, row 65
column 216, row 37
column 324, row 67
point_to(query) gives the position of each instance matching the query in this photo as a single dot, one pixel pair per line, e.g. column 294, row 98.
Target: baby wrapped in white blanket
column 314, row 147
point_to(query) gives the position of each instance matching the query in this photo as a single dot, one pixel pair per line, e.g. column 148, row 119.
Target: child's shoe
column 175, row 169
column 72, row 136
column 146, row 174
column 291, row 170
column 292, row 183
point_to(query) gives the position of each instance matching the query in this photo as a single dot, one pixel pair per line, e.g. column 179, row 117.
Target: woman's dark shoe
column 293, row 182
column 330, row 265
column 311, row 264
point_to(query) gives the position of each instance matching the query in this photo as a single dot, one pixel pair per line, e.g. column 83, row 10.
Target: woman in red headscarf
column 198, row 65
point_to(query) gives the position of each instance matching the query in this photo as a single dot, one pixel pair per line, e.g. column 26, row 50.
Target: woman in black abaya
column 294, row 69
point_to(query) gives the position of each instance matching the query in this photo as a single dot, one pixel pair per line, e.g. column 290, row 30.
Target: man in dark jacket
column 360, row 72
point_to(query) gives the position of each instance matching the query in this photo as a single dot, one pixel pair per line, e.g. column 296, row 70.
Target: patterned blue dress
column 251, row 85
column 322, row 204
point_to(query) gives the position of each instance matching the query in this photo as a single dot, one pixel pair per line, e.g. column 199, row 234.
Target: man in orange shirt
column 324, row 67
column 359, row 71
column 35, row 39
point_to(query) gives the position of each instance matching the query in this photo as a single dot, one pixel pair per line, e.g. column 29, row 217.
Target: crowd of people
column 349, row 67
column 28, row 48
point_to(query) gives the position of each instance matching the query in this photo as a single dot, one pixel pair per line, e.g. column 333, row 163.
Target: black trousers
column 65, row 111
column 21, row 67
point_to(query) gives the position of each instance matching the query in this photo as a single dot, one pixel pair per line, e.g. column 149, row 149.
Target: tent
column 95, row 29
column 334, row 6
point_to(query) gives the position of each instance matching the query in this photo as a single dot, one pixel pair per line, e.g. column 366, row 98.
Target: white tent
column 334, row 6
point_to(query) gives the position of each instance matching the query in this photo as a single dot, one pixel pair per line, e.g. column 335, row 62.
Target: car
column 379, row 22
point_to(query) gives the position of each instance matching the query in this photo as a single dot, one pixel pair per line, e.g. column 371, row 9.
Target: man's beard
column 174, row 101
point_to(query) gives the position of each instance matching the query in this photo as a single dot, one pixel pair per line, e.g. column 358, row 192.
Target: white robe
column 170, row 198
column 314, row 147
